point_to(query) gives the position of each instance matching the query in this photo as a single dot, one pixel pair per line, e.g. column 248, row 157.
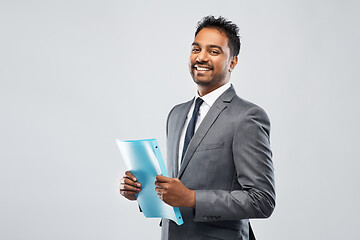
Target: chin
column 202, row 82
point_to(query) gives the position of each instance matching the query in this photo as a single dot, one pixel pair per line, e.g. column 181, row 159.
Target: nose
column 202, row 57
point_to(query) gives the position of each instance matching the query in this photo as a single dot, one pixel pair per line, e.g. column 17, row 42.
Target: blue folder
column 143, row 159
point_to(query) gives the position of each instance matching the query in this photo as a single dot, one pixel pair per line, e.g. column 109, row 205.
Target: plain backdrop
column 76, row 75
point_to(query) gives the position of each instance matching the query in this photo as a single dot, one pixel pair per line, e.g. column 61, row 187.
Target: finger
column 160, row 184
column 128, row 194
column 161, row 196
column 130, row 182
column 129, row 188
column 126, row 180
column 130, row 175
column 159, row 190
column 161, row 178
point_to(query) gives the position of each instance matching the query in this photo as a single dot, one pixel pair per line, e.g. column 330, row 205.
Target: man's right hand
column 129, row 186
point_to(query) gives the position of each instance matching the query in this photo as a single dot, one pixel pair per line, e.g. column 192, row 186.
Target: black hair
column 223, row 25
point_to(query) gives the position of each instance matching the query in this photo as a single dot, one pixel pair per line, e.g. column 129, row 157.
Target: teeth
column 202, row 69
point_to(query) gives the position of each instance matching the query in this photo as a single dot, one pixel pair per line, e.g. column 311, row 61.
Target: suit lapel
column 181, row 118
column 219, row 105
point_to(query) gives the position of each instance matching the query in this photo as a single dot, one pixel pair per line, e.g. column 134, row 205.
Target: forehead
column 211, row 36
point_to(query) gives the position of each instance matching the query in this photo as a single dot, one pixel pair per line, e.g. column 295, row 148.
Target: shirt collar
column 211, row 97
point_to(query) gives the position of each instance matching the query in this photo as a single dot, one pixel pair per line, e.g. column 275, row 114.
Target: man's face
column 210, row 59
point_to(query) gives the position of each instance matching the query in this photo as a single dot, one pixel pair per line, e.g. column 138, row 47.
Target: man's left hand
column 173, row 192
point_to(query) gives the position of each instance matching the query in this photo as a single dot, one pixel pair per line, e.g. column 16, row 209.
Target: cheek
column 220, row 65
column 192, row 60
column 190, row 63
column 190, row 67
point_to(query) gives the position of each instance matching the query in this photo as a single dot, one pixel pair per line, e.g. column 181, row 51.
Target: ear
column 233, row 62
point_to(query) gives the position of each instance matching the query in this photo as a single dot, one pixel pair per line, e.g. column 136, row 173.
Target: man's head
column 225, row 26
column 214, row 53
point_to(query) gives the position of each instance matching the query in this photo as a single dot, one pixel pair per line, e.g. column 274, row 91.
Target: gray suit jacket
column 228, row 164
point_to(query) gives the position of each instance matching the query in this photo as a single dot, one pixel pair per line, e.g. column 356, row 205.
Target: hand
column 129, row 186
column 173, row 192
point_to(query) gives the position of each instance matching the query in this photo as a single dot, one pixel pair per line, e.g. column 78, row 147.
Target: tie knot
column 198, row 103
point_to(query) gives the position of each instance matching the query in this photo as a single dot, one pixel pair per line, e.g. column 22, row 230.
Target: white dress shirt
column 209, row 100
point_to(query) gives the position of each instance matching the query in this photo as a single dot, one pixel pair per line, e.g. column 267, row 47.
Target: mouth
column 202, row 69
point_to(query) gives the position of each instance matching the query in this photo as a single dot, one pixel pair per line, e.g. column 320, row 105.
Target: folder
column 144, row 160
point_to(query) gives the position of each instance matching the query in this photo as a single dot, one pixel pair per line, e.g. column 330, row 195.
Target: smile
column 201, row 68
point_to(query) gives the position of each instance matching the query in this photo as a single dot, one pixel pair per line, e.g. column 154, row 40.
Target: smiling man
column 211, row 60
column 218, row 145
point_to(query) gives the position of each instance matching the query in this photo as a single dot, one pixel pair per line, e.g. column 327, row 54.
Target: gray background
column 76, row 75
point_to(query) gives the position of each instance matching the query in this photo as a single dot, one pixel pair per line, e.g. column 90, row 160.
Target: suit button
column 205, row 218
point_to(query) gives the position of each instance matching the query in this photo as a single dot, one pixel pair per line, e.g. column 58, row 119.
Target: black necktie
column 191, row 127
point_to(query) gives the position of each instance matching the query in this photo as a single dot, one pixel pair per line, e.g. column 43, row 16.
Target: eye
column 195, row 50
column 214, row 52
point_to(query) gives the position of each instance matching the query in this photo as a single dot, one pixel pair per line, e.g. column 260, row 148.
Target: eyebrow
column 215, row 46
column 211, row 46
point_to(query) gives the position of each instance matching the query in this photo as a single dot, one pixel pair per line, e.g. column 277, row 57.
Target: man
column 219, row 157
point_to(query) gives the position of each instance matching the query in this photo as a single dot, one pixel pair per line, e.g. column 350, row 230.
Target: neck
column 205, row 89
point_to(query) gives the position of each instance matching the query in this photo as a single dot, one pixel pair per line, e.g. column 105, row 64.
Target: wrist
column 191, row 200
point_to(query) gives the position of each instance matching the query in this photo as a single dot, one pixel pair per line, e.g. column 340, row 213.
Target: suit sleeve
column 167, row 122
column 254, row 173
